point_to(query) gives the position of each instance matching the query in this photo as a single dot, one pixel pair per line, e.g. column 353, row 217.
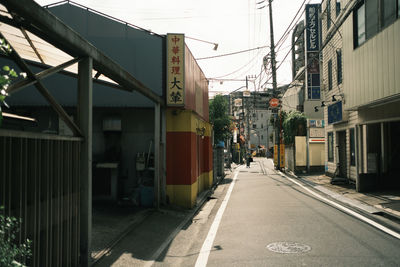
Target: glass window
column 262, row 137
column 330, row 75
column 360, row 26
column 388, row 10
column 352, row 148
column 254, row 126
column 330, row 146
column 328, row 14
column 371, row 18
column 339, row 65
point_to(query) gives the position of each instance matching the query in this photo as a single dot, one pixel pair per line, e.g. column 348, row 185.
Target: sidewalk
column 382, row 203
column 137, row 237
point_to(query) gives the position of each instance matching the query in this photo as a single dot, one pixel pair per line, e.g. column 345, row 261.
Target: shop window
column 339, row 65
column 352, row 148
column 330, row 147
column 330, row 75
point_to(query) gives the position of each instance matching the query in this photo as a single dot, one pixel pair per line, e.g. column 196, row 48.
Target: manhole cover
column 288, row 247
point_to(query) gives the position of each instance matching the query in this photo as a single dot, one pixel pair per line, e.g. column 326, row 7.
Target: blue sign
column 335, row 112
column 315, row 92
column 312, row 27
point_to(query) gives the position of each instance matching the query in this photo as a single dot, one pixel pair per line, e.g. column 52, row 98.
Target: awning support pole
column 85, row 118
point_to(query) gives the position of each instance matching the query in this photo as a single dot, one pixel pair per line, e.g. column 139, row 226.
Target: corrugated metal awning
column 33, row 48
column 39, row 36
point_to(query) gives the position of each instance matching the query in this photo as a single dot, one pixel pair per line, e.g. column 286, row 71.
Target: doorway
column 342, row 154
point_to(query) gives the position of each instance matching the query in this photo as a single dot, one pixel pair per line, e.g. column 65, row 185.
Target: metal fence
column 39, row 183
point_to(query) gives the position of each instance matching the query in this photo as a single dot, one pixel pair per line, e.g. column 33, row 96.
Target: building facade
column 361, row 78
column 189, row 146
column 305, row 94
column 251, row 114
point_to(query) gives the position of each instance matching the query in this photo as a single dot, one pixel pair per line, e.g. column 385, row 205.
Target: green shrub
column 10, row 250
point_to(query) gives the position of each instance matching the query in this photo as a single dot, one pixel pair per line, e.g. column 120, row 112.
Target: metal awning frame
column 27, row 15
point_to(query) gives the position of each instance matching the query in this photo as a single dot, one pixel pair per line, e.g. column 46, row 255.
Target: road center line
column 202, row 259
column 348, row 211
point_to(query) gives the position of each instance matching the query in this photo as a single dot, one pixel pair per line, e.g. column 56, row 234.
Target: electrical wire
column 251, row 61
column 233, row 53
column 286, row 34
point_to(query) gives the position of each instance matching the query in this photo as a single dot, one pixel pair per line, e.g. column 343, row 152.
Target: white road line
column 202, row 259
column 355, row 214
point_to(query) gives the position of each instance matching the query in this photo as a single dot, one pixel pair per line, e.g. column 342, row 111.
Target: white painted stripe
column 202, row 259
column 348, row 211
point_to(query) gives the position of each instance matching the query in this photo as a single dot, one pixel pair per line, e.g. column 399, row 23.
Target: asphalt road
column 270, row 221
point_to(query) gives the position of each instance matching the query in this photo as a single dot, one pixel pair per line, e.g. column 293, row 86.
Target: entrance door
column 198, row 161
column 393, row 146
column 342, row 154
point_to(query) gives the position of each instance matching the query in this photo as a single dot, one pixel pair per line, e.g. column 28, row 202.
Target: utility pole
column 273, row 62
column 274, row 86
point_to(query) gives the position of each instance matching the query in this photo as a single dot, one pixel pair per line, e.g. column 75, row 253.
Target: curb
column 373, row 213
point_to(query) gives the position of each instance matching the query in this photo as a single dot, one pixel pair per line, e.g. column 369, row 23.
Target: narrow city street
column 261, row 218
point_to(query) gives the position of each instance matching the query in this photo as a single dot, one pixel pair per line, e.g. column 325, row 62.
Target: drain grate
column 288, row 247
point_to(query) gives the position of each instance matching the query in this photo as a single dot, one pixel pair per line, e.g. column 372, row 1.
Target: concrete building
column 251, row 114
column 108, row 121
column 361, row 76
column 304, row 94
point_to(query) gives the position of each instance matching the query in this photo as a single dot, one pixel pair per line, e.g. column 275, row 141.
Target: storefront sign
column 238, row 102
column 315, row 123
column 276, row 155
column 312, row 56
column 282, row 155
column 175, row 70
column 335, row 112
column 317, row 132
column 312, row 27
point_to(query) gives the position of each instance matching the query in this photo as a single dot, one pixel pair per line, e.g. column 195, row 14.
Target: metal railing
column 39, row 183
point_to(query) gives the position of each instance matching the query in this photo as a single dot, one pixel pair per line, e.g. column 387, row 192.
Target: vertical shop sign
column 312, row 55
column 282, row 155
column 175, row 70
column 276, row 155
column 312, row 27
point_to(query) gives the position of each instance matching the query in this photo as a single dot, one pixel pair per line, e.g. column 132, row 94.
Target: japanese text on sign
column 175, row 69
column 312, row 27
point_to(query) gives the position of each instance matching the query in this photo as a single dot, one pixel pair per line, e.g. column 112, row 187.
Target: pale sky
column 236, row 25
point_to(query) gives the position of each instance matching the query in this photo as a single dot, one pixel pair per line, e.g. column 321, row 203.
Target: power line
column 233, row 53
column 252, row 60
